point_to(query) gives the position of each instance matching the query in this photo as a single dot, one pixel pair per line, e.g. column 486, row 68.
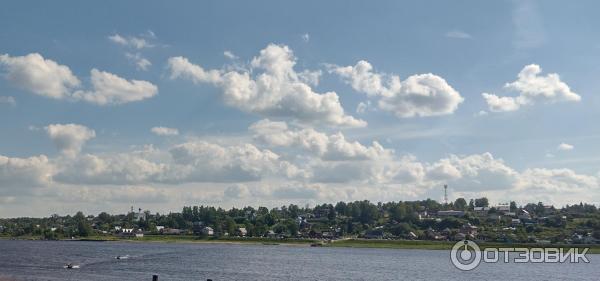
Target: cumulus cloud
column 418, row 95
column 164, row 131
column 329, row 147
column 181, row 67
column 272, row 88
column 556, row 180
column 565, row 147
column 69, row 138
column 110, row 89
column 8, row 100
column 236, row 191
column 474, row 172
column 29, row 172
column 532, row 88
column 47, row 78
column 334, row 159
column 38, row 75
column 203, row 161
column 115, row 169
column 498, row 104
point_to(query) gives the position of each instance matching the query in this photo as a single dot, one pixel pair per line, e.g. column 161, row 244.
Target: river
column 44, row 260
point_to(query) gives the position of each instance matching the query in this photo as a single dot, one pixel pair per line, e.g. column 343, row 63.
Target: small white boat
column 71, row 266
column 122, row 257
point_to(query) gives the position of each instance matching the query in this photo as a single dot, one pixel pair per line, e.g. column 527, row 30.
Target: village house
column 503, row 208
column 481, row 211
column 242, row 232
column 469, row 230
column 450, row 213
column 172, row 231
column 208, row 231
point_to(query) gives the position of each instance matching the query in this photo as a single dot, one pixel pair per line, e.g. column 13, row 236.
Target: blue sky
column 89, row 145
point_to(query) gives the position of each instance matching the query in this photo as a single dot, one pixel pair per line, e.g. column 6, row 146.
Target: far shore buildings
column 208, row 231
column 451, row 213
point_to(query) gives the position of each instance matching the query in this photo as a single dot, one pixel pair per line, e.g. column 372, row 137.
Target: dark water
column 43, row 260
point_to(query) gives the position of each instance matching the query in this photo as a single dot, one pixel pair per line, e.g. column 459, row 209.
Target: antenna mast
column 446, row 194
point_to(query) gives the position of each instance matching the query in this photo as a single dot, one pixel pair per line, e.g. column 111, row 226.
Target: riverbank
column 346, row 243
column 445, row 245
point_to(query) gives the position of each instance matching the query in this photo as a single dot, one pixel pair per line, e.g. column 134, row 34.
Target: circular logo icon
column 465, row 255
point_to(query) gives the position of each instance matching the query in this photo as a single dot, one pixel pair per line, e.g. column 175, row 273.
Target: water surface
column 44, row 260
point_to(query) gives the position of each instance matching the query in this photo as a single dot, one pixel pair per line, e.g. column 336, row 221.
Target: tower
column 446, row 194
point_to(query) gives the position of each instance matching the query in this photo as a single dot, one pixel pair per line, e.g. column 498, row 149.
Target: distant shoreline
column 342, row 243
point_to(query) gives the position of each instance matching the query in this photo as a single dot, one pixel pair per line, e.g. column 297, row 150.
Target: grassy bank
column 347, row 243
column 444, row 245
column 192, row 238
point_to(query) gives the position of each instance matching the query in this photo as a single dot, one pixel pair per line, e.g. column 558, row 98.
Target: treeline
column 343, row 218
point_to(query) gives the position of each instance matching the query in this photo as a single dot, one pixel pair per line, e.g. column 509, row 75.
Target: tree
column 513, row 206
column 482, row 202
column 460, row 204
column 82, row 225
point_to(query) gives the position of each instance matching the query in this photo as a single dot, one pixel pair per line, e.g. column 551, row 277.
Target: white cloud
column 136, row 43
column 458, row 34
column 474, row 172
column 418, row 95
column 565, row 147
column 305, row 37
column 556, row 180
column 69, row 138
column 110, row 89
column 8, row 100
column 237, row 191
column 116, row 169
column 532, row 88
column 230, row 55
column 333, row 158
column 499, row 104
column 164, row 131
column 310, row 77
column 141, row 63
column 40, row 76
column 272, row 89
column 481, row 113
column 203, row 161
column 333, row 147
column 130, row 41
column 47, row 78
column 190, row 162
column 181, row 67
column 362, row 107
column 16, row 173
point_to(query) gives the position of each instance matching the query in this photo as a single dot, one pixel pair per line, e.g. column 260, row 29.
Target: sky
column 158, row 104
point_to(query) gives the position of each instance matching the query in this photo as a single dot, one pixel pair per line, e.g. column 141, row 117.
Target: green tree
column 460, row 204
column 82, row 225
column 482, row 202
